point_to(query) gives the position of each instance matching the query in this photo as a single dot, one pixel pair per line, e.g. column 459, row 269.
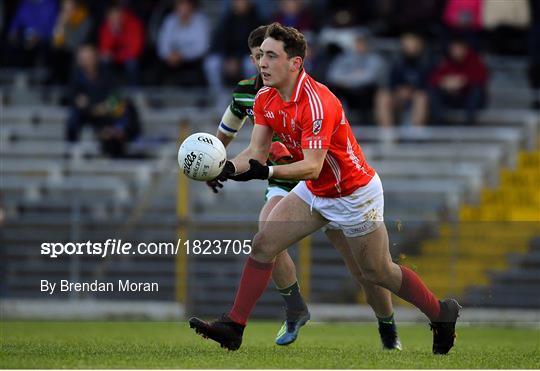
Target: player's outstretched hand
column 217, row 182
column 256, row 171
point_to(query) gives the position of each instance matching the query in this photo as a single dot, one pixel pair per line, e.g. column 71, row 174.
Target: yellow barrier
column 182, row 209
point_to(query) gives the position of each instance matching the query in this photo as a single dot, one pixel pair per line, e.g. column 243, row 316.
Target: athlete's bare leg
column 284, row 273
column 372, row 255
column 288, row 222
column 379, row 298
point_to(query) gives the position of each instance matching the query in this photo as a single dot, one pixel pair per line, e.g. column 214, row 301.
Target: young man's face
column 256, row 55
column 276, row 68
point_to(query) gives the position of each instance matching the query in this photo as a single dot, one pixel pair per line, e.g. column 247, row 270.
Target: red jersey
column 314, row 119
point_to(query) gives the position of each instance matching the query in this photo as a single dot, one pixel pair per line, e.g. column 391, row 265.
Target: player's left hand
column 256, row 171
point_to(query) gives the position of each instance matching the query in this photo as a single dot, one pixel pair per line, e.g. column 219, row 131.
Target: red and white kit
column 314, row 119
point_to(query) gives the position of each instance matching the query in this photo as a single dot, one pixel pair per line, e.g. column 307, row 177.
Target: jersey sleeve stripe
column 315, row 144
column 299, row 86
column 263, row 90
column 317, row 99
column 311, row 106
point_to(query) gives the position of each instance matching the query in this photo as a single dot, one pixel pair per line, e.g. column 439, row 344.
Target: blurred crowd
column 94, row 46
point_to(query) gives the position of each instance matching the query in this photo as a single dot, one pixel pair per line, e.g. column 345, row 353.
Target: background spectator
column 30, row 33
column 90, row 89
column 459, row 81
column 407, row 94
column 183, row 41
column 463, row 18
column 293, row 13
column 121, row 41
column 356, row 75
column 95, row 102
column 230, row 40
column 72, row 29
column 122, row 126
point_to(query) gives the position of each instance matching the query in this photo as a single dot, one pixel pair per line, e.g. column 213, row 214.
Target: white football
column 202, row 156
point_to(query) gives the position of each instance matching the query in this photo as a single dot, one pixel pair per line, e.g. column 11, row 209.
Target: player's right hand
column 217, row 183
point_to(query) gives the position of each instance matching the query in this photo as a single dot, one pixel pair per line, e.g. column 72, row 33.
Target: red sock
column 415, row 292
column 255, row 277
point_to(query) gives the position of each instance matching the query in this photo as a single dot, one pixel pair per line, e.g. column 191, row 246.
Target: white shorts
column 356, row 215
column 274, row 191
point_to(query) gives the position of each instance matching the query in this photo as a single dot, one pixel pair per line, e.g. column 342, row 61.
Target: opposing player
column 284, row 273
column 338, row 186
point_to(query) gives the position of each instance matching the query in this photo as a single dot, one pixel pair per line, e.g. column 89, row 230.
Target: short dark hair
column 256, row 37
column 294, row 42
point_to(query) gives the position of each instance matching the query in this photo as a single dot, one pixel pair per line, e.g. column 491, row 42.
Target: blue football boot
column 288, row 333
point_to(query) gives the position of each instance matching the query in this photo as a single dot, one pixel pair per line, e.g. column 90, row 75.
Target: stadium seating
column 53, row 192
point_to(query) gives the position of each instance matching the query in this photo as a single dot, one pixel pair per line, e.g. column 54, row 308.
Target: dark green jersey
column 242, row 106
column 244, row 96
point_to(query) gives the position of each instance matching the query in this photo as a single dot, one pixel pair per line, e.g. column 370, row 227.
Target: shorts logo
column 317, row 126
column 269, row 114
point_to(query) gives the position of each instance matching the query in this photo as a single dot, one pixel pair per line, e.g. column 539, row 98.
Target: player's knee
column 370, row 298
column 262, row 247
column 375, row 276
column 359, row 277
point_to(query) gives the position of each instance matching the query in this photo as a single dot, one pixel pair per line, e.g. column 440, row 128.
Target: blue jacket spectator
column 34, row 19
column 30, row 33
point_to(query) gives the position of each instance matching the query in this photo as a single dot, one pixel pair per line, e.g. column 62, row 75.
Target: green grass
column 174, row 345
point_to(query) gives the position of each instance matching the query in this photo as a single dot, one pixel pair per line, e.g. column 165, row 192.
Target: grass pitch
column 174, row 345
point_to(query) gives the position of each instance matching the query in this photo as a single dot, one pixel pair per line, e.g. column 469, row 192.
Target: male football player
column 337, row 186
column 284, row 273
